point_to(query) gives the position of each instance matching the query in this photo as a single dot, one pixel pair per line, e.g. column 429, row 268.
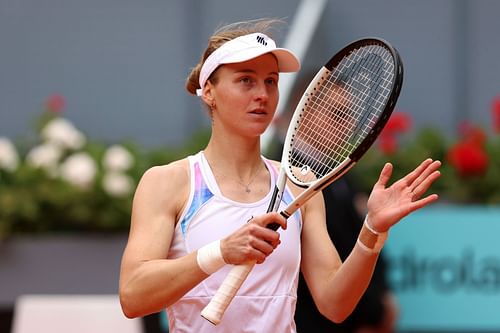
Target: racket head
column 342, row 111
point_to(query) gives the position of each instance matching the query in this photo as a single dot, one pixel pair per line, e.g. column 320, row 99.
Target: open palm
column 388, row 205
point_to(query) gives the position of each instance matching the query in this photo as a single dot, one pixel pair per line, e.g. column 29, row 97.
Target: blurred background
column 92, row 94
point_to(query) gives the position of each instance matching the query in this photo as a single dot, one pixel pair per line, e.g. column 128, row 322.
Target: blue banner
column 445, row 268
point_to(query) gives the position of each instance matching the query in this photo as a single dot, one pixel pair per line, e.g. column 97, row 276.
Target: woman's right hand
column 253, row 242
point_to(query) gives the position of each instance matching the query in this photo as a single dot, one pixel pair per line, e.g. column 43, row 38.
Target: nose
column 261, row 92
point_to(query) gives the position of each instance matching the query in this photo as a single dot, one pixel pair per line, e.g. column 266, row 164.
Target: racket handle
column 214, row 311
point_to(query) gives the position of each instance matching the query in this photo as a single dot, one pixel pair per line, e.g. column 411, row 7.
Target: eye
column 272, row 81
column 245, row 80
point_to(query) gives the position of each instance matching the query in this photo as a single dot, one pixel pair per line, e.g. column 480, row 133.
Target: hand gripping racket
column 338, row 118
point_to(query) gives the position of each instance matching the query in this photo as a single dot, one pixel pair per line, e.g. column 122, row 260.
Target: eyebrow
column 253, row 71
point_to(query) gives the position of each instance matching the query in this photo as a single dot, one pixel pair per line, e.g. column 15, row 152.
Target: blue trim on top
column 201, row 195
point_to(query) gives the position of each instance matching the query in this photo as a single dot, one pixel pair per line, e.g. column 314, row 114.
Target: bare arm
column 337, row 287
column 148, row 281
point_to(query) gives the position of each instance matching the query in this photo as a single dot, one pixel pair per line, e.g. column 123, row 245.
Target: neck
column 237, row 167
column 235, row 155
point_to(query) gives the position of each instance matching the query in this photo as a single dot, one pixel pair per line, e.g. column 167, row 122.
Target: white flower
column 79, row 169
column 117, row 184
column 9, row 158
column 61, row 131
column 45, row 156
column 117, row 158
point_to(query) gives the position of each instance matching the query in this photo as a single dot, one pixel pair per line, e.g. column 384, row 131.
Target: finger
column 426, row 173
column 263, row 220
column 385, row 175
column 415, row 205
column 410, row 178
column 425, row 180
column 262, row 248
column 273, row 218
column 258, row 230
column 421, row 188
column 259, row 257
column 270, row 236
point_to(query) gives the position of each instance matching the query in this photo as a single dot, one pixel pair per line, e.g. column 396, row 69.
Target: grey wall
column 121, row 65
column 59, row 265
column 448, row 49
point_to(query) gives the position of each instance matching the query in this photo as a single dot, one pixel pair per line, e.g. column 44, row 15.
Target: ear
column 208, row 94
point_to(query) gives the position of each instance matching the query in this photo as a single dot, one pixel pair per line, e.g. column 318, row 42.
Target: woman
column 193, row 216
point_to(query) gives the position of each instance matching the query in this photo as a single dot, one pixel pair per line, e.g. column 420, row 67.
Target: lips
column 259, row 111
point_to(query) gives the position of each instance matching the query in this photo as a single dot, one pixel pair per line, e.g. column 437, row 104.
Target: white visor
column 244, row 48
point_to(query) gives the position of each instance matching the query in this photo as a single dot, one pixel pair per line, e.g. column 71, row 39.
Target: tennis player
column 193, row 216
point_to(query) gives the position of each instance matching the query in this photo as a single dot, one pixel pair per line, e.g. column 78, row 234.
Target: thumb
column 385, row 175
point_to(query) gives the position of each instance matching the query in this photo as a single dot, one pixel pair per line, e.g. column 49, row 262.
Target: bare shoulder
column 177, row 172
column 166, row 185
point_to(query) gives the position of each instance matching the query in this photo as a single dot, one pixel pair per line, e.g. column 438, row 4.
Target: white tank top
column 266, row 300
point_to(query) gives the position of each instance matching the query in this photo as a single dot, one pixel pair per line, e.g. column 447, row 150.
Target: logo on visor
column 261, row 40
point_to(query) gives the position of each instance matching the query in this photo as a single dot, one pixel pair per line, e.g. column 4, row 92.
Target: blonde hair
column 225, row 34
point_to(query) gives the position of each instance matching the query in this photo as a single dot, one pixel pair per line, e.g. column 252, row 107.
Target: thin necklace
column 247, row 186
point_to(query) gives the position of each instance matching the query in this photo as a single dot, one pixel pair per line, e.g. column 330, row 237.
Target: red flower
column 388, row 144
column 399, row 122
column 473, row 134
column 468, row 159
column 55, row 103
column 495, row 114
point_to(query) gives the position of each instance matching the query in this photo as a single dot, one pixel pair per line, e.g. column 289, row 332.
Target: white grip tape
column 209, row 257
column 214, row 311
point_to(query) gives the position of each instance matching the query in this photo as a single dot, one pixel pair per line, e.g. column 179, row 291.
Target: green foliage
column 453, row 186
column 59, row 181
column 38, row 199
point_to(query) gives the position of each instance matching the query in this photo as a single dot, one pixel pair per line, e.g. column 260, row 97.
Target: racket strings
column 342, row 111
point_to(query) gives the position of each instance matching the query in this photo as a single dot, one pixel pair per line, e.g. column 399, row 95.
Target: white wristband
column 370, row 239
column 209, row 257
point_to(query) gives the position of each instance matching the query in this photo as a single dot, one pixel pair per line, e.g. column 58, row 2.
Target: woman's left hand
column 388, row 205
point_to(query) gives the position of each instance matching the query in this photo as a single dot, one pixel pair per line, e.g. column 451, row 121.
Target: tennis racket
column 338, row 118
